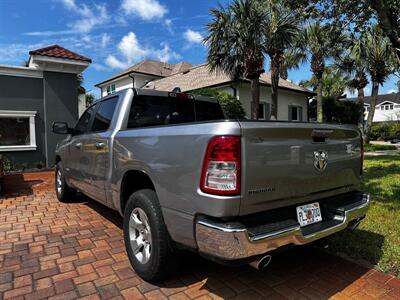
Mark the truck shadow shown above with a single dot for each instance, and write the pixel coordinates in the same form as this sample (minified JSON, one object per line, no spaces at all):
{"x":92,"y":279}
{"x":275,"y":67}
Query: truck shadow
{"x":304,"y":271}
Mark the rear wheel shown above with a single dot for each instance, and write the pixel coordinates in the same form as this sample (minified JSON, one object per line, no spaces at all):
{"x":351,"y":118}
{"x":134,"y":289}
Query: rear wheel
{"x":63,"y":191}
{"x":146,"y":237}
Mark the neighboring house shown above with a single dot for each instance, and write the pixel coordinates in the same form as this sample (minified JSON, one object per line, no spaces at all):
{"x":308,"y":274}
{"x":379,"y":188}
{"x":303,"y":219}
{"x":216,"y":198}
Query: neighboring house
{"x":387,"y":108}
{"x":292,"y":102}
{"x":139,"y":75}
{"x":32,"y":98}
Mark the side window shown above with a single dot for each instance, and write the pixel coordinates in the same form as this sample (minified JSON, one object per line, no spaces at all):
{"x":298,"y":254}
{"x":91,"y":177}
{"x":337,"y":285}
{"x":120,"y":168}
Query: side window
{"x":83,"y":123}
{"x":155,"y":111}
{"x":104,"y":114}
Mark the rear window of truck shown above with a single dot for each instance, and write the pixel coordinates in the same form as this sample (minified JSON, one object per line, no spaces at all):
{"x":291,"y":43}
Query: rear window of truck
{"x":157,"y":111}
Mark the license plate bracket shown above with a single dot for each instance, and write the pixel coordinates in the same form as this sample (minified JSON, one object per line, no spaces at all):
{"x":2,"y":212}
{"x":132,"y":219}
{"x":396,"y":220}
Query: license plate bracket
{"x":309,"y":214}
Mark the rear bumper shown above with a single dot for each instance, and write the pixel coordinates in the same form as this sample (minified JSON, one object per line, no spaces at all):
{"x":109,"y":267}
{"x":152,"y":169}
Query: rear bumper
{"x":233,"y":241}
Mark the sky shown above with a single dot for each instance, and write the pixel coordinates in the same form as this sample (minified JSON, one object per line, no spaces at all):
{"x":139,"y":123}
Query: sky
{"x":115,"y":34}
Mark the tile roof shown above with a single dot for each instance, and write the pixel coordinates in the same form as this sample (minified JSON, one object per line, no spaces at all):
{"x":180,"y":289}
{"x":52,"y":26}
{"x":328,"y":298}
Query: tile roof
{"x":394,"y":97}
{"x":152,"y":67}
{"x":200,"y":77}
{"x":59,"y":52}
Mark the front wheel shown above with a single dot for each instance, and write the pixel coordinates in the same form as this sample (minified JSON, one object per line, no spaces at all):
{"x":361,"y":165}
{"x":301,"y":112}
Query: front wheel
{"x":63,"y":191}
{"x":146,"y":237}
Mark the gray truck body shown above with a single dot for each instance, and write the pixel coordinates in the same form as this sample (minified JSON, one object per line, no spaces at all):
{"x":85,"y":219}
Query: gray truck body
{"x":278,"y":172}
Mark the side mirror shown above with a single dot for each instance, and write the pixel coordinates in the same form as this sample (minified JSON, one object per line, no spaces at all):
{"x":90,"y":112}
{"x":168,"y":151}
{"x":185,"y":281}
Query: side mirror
{"x":61,"y":128}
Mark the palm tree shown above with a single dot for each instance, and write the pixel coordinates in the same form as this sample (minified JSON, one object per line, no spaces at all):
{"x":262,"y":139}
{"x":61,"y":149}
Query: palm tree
{"x":354,"y":65}
{"x":321,"y":42}
{"x":235,"y":45}
{"x":80,"y":79}
{"x":380,"y":60}
{"x":281,"y":29}
{"x":334,"y":83}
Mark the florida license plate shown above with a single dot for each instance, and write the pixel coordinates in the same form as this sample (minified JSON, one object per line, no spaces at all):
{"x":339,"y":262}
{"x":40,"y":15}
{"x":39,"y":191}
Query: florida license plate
{"x":309,"y":214}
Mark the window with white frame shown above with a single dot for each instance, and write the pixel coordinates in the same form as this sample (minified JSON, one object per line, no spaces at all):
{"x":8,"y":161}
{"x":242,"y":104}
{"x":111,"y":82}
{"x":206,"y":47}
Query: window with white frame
{"x":387,"y":106}
{"x":110,"y":89}
{"x":17,"y":130}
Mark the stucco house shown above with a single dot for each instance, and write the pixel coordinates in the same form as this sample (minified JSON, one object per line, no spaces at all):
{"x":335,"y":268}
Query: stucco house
{"x":292,"y":103}
{"x":387,"y":108}
{"x":32,"y":98}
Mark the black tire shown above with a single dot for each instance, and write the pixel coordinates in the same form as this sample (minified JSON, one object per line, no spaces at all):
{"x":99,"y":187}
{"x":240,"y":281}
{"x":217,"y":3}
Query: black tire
{"x":162,"y":261}
{"x":65,"y":193}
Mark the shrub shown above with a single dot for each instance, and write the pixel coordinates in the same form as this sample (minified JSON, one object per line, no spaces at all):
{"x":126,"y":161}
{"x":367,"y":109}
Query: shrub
{"x":232,"y":107}
{"x":344,"y":112}
{"x":384,"y":131}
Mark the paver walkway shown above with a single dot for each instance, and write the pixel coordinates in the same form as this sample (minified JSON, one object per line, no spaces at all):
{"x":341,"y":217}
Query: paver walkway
{"x":65,"y":251}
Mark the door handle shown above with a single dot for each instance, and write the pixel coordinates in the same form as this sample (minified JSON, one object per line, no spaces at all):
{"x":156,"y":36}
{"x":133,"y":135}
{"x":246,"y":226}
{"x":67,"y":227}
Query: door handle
{"x":100,"y":145}
{"x":78,"y":145}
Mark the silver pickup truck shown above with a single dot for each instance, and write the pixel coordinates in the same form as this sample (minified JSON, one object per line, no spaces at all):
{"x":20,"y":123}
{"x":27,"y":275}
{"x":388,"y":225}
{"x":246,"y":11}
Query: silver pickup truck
{"x":184,"y":177}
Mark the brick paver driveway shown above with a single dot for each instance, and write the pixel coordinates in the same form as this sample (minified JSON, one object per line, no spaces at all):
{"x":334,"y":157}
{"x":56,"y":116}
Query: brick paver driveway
{"x":64,"y":251}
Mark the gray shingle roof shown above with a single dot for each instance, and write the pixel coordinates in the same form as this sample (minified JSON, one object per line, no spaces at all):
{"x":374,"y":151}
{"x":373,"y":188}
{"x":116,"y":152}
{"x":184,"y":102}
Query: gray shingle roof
{"x":394,"y":97}
{"x":200,"y":77}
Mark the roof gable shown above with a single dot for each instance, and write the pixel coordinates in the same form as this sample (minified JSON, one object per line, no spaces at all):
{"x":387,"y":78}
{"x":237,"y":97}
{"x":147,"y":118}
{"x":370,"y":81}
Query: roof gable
{"x":59,"y":52}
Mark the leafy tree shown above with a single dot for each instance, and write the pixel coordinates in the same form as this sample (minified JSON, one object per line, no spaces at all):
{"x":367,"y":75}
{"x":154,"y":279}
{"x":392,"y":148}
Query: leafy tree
{"x":354,"y":65}
{"x":235,"y":45}
{"x":89,"y":99}
{"x":321,"y":42}
{"x":81,"y":89}
{"x":380,"y":62}
{"x":398,"y":86}
{"x":355,"y":15}
{"x":231,"y":106}
{"x":281,"y":29}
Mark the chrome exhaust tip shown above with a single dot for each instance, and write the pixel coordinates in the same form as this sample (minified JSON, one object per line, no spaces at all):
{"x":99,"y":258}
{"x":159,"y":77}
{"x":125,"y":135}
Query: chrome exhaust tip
{"x":261,"y":263}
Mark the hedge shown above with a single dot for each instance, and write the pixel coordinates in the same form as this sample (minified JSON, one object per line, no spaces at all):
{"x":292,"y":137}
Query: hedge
{"x":384,"y":131}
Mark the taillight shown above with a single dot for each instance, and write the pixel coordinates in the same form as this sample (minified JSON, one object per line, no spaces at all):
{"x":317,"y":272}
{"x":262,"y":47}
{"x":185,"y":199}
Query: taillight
{"x":221,"y":166}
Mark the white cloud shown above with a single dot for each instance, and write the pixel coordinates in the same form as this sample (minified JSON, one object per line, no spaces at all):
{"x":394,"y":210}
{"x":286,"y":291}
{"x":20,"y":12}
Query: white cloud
{"x":145,"y":9}
{"x":392,"y":91}
{"x":165,"y":54}
{"x":99,"y":67}
{"x":114,"y":63}
{"x":105,"y":40}
{"x":88,"y":18}
{"x":130,"y":48}
{"x":70,"y":4}
{"x":168,"y":25}
{"x":193,"y":37}
{"x":132,"y":51}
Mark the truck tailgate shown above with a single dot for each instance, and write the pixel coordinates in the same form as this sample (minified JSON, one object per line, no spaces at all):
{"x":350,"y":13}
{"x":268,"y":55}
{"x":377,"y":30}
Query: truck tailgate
{"x":285,"y":163}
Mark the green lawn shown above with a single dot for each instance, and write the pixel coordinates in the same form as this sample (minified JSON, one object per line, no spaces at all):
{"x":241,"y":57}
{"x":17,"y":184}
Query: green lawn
{"x":376,"y":147}
{"x":377,"y":239}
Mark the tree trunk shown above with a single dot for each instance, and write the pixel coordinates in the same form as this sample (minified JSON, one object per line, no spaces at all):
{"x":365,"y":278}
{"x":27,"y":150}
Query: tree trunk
{"x":360,"y":99}
{"x":374,"y":98}
{"x":255,"y":97}
{"x":320,"y":114}
{"x":318,"y":68}
{"x":275,"y":68}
